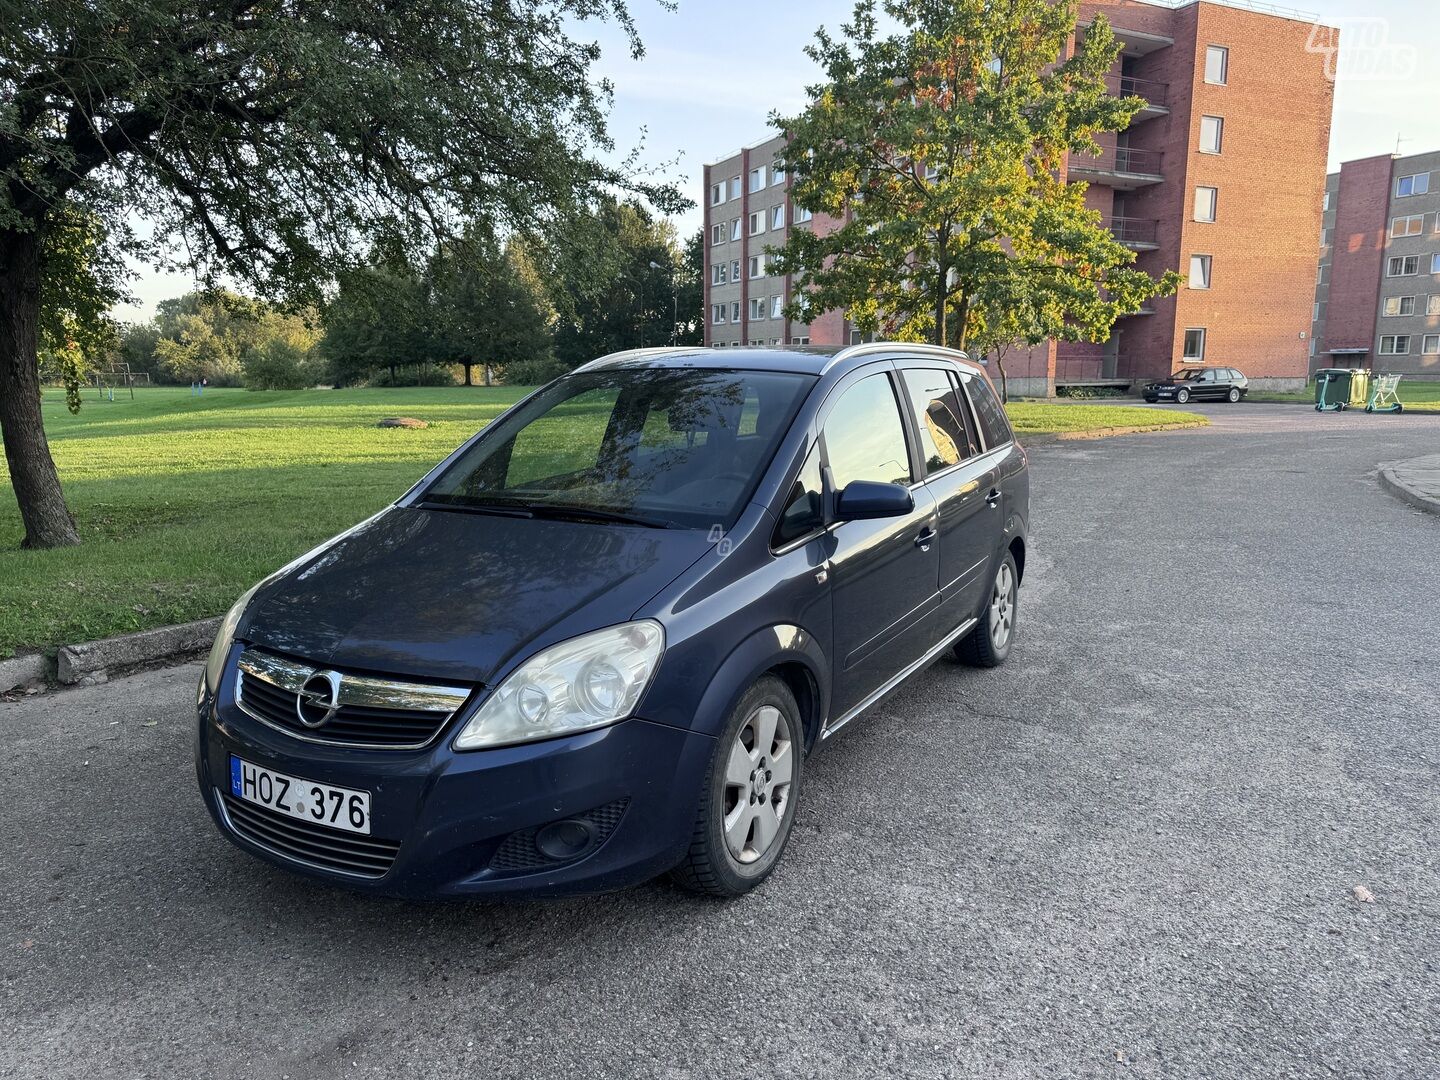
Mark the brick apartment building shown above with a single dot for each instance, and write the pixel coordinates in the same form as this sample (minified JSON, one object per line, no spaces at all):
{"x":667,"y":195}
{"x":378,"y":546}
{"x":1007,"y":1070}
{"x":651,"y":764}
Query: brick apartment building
{"x":1377,"y":294}
{"x":1220,"y":178}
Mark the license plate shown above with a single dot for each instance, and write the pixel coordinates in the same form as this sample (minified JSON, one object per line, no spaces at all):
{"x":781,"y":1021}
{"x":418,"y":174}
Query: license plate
{"x":321,"y":804}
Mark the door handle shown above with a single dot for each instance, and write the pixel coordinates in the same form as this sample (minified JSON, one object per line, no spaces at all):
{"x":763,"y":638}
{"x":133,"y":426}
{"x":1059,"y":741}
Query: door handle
{"x":993,"y":499}
{"x":926,"y":538}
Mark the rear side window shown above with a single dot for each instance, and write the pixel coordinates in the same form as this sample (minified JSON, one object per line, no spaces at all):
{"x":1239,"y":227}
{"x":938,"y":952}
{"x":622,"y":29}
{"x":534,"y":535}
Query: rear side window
{"x":993,"y":423}
{"x":804,"y":511}
{"x":935,"y":401}
{"x":864,"y":439}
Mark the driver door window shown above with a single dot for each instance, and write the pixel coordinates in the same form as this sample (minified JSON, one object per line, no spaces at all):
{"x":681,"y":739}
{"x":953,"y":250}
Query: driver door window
{"x":864,"y":438}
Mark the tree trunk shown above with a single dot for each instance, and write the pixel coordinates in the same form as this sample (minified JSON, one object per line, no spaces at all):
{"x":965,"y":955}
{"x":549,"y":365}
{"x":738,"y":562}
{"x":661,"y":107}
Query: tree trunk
{"x":468,"y":381}
{"x":46,"y":518}
{"x":489,"y":376}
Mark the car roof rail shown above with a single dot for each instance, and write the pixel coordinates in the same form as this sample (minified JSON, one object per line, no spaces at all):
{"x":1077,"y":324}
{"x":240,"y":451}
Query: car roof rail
{"x":915,"y":348}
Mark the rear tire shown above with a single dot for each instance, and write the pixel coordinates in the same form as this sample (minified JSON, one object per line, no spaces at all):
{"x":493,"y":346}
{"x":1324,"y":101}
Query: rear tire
{"x":1399,"y":408}
{"x":1234,"y":395}
{"x":747,"y":805}
{"x":988,"y":645}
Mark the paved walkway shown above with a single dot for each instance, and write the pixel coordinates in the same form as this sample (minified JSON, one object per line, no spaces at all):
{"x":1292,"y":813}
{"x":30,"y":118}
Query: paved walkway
{"x":1417,"y":481}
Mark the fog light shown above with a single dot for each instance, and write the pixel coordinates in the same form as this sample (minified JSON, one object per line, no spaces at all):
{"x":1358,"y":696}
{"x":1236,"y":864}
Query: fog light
{"x":568,"y":839}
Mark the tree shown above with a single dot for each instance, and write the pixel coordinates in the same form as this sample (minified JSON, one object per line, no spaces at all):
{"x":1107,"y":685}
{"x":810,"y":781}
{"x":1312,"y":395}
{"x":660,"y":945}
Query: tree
{"x":608,"y":294}
{"x":269,"y":138}
{"x":943,"y":148}
{"x":489,"y":306}
{"x":690,"y":293}
{"x":379,"y":318}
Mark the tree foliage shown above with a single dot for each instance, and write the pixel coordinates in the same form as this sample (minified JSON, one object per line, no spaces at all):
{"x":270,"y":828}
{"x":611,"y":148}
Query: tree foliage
{"x":275,"y":141}
{"x":943,"y":146}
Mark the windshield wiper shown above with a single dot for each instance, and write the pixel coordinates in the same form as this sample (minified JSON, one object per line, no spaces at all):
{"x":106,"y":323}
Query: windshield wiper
{"x":569,"y":512}
{"x":503,"y":509}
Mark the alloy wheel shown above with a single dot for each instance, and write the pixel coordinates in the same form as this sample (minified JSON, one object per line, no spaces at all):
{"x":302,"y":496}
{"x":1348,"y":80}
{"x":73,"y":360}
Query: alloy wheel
{"x":1002,"y":607}
{"x":758,"y":776}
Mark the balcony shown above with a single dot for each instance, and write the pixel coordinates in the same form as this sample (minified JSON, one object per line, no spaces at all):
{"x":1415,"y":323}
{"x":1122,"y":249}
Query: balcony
{"x":1137,"y":234}
{"x":1156,"y":94}
{"x":1118,"y":167}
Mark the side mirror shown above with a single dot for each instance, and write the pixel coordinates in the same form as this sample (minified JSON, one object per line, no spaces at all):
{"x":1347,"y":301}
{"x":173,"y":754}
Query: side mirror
{"x":868,"y":499}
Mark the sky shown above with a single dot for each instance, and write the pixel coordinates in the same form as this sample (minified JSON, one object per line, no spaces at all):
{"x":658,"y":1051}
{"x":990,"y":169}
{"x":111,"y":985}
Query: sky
{"x":714,"y":69}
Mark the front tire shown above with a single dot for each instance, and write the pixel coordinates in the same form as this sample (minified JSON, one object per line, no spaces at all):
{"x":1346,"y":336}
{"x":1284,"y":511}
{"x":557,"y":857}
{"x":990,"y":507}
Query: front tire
{"x":988,"y":645}
{"x":747,"y":806}
{"x":1182,"y":396}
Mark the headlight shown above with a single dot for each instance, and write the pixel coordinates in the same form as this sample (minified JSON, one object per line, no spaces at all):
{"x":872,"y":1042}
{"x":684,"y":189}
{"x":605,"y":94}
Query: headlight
{"x":586,"y":682}
{"x":215,"y":665}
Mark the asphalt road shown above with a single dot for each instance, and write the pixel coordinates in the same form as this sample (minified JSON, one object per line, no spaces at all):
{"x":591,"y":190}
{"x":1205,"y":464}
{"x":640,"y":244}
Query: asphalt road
{"x":1131,"y":851}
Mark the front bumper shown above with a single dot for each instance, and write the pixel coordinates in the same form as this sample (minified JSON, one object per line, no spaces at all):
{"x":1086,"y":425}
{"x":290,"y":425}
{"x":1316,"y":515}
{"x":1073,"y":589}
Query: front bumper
{"x":451,"y":813}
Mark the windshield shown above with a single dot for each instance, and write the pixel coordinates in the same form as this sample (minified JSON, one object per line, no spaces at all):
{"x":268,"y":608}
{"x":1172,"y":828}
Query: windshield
{"x":651,"y":446}
{"x":1186,"y":374}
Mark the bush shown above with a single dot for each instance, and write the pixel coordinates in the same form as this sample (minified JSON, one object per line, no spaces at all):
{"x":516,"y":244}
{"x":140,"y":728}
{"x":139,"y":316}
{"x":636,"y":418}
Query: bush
{"x":278,"y":365}
{"x":534,"y":372}
{"x":414,"y":375}
{"x":1089,"y":392}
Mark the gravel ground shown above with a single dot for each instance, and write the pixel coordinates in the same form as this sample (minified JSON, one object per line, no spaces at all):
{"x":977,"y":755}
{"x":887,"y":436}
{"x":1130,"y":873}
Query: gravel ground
{"x":1131,"y":851}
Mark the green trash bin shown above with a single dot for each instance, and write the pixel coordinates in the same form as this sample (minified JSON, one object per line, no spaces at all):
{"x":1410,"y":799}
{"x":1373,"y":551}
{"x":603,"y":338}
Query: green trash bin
{"x":1332,"y":389}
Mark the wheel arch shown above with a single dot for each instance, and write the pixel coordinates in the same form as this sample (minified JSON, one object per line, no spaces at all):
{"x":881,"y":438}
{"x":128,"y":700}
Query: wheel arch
{"x":788,"y":652}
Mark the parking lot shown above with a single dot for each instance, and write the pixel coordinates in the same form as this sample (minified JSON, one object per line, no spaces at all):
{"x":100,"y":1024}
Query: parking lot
{"x":1132,"y":850}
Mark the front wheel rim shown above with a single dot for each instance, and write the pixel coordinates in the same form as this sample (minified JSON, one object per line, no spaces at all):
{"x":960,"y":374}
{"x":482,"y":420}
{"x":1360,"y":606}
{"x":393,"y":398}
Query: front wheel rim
{"x":1002,"y":607}
{"x":759,"y":775}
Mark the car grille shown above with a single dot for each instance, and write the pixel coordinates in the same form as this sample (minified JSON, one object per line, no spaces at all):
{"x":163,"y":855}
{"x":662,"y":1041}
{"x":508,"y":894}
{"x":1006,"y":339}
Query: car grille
{"x":344,"y":709}
{"x":313,"y":845}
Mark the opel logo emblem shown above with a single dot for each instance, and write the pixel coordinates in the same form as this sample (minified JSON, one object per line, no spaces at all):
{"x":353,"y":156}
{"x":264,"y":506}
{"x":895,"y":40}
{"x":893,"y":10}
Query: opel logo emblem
{"x":319,"y":698}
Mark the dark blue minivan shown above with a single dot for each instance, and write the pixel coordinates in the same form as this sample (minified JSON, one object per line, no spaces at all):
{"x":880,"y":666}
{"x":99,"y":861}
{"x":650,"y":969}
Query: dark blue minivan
{"x":598,"y":642}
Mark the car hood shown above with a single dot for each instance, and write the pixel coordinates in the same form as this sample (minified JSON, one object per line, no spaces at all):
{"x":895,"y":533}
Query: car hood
{"x":449,"y":595}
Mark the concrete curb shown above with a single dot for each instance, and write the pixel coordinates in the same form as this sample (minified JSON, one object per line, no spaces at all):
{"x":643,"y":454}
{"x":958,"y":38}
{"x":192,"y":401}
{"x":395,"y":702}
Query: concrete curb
{"x":1403,"y":491}
{"x":91,"y":660}
{"x":21,"y":671}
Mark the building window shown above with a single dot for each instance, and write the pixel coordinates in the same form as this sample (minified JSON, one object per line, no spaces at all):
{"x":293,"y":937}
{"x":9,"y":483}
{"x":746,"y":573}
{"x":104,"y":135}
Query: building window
{"x":1315,"y":312}
{"x":717,"y":274}
{"x":777,"y":307}
{"x":1418,"y":184}
{"x":1430,"y":344}
{"x":1325,"y":202}
{"x":777,"y":176}
{"x":1194,"y":343}
{"x":735,"y":311}
{"x":1399,"y":305}
{"x":757,"y":266}
{"x":1199,"y":271}
{"x":717,"y":233}
{"x":1205,"y":199}
{"x":735,"y":228}
{"x":1435,"y":263}
{"x":757,"y":222}
{"x":1324,"y":237}
{"x":1432,"y":305}
{"x":734,"y":187}
{"x":777,"y":217}
{"x":799,"y":341}
{"x":717,"y":314}
{"x":717,"y":194}
{"x":757,"y":178}
{"x":1212,"y":134}
{"x":757,"y":307}
{"x":1402,"y":266}
{"x":735,"y":270}
{"x":1395,"y":345}
{"x":1217,"y":64}
{"x":1410,"y":225}
{"x":1312,"y":346}
{"x":801,"y":214}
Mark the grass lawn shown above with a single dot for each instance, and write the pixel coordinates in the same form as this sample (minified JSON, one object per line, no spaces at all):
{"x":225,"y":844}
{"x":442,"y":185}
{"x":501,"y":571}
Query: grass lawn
{"x":183,"y":501}
{"x":1416,"y":395}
